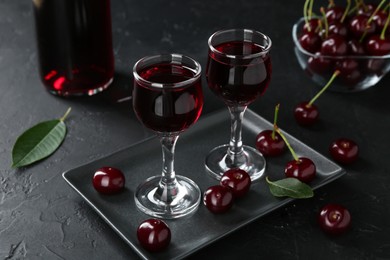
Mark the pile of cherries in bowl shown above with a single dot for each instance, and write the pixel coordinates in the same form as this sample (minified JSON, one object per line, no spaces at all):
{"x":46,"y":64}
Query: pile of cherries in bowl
{"x":353,"y":38}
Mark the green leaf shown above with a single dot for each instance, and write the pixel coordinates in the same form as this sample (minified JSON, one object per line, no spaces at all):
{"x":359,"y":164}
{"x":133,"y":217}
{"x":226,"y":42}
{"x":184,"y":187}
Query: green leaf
{"x":290,"y":187}
{"x":38,"y":142}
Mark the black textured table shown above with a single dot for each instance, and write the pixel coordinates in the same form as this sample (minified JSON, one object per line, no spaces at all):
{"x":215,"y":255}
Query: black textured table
{"x":41,"y":217}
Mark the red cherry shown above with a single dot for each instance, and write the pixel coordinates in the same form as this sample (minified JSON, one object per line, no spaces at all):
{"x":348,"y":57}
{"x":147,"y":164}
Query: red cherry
{"x":359,"y":25}
{"x":366,"y":10}
{"x":306,"y":115}
{"x":380,"y":20}
{"x":218,"y":199}
{"x":334,"y":45}
{"x":318,"y":64}
{"x":269,"y":146}
{"x":154,"y":234}
{"x":347,"y":65}
{"x":237,"y":180}
{"x":304,"y":169}
{"x":355,"y":48}
{"x":344,"y":150}
{"x":310,"y":41}
{"x":334,"y":14}
{"x":108,"y":180}
{"x":312,"y":24}
{"x":378,"y":46}
{"x":338,"y":28}
{"x":334,"y":219}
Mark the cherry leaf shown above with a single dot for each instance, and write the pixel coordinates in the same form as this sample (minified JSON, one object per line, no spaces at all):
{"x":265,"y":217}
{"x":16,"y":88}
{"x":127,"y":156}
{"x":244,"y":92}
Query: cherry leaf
{"x":290,"y":187}
{"x":38,"y":142}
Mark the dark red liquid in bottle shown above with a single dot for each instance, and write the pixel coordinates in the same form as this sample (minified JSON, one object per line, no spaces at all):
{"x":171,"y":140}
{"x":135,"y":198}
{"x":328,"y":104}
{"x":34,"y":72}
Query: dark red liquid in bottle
{"x":74,"y":43}
{"x":168,"y":109}
{"x":238,"y":81}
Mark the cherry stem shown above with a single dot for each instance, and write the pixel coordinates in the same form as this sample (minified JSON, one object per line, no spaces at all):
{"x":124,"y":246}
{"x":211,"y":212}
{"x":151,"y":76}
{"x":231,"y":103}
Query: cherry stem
{"x":346,"y":11}
{"x":275,"y":120}
{"x":319,"y":26}
{"x":335,"y":74}
{"x":305,"y":16}
{"x":331,"y":3}
{"x":382,"y":36}
{"x":310,"y":11}
{"x":325,"y":21}
{"x":62,"y":119}
{"x":357,"y":4}
{"x":376,"y":11}
{"x":287,"y":143}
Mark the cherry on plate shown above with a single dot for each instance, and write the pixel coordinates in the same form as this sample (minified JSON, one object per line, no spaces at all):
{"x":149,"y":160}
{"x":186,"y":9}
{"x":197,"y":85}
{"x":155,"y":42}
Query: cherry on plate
{"x":303,"y":169}
{"x":154,"y":234}
{"x":344,"y":150}
{"x":334,"y":219}
{"x":108,"y":180}
{"x":237,"y":180}
{"x":268,"y":145}
{"x":306,"y":114}
{"x":218,"y":199}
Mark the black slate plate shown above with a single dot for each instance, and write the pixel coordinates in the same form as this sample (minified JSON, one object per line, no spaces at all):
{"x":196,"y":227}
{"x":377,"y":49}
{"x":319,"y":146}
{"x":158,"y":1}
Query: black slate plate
{"x":143,"y":160}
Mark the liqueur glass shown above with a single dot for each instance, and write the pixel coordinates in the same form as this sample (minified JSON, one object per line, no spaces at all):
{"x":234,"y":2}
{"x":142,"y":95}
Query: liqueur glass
{"x":238,"y":71}
{"x":168,"y":99}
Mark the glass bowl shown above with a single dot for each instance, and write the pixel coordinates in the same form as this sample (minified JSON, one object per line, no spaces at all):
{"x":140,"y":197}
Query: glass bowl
{"x":370,"y":69}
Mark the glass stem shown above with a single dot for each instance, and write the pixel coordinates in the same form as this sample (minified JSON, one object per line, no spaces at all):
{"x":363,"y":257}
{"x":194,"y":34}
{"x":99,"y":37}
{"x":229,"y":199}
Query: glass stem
{"x":235,"y":154}
{"x":168,"y":187}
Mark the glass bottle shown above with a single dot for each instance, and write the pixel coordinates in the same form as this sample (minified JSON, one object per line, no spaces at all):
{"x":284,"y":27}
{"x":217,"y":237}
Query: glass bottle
{"x":74,"y":42}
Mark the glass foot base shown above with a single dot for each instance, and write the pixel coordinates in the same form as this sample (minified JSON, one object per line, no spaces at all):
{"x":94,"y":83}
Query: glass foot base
{"x":217,"y":162}
{"x":185,"y":202}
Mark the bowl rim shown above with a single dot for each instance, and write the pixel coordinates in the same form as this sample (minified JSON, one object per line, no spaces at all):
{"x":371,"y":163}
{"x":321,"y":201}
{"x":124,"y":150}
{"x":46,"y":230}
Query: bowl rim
{"x":295,"y":29}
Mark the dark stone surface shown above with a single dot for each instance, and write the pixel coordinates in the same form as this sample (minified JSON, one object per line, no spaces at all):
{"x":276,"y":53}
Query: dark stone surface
{"x":41,"y":217}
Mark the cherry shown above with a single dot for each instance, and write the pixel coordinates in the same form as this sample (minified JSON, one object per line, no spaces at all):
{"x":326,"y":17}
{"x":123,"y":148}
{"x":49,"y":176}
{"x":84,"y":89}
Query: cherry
{"x":366,"y":9}
{"x":306,"y":113}
{"x":311,"y":25}
{"x":355,"y":48}
{"x":349,"y":71}
{"x":347,"y":66}
{"x":380,"y":19}
{"x":303,"y":169}
{"x":344,"y":150}
{"x":269,"y":142}
{"x":218,"y":199}
{"x":334,"y":219}
{"x":108,"y":180}
{"x":378,"y":46}
{"x":237,"y":180}
{"x":359,"y":25}
{"x":334,"y":45}
{"x":375,"y":66}
{"x":154,"y":234}
{"x":310,"y":41}
{"x":319,"y":64}
{"x":338,"y":28}
{"x":269,"y":145}
{"x":334,"y":14}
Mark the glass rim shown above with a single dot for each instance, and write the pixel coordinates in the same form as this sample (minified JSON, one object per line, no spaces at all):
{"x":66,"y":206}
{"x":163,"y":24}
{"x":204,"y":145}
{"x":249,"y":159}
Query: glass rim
{"x":247,"y":56}
{"x":171,"y":58}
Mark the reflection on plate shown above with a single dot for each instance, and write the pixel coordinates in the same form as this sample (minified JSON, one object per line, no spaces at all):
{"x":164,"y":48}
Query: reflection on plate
{"x":189,"y":234}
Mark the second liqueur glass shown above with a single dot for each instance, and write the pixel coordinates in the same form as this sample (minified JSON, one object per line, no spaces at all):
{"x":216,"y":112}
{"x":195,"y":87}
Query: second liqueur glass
{"x":167,"y":98}
{"x":238,"y":71}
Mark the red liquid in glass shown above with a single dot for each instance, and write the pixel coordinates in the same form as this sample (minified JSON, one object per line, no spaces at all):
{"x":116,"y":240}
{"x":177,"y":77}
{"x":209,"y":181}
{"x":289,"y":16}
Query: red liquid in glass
{"x":238,"y":81}
{"x":74,"y":43}
{"x":168,"y":109}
